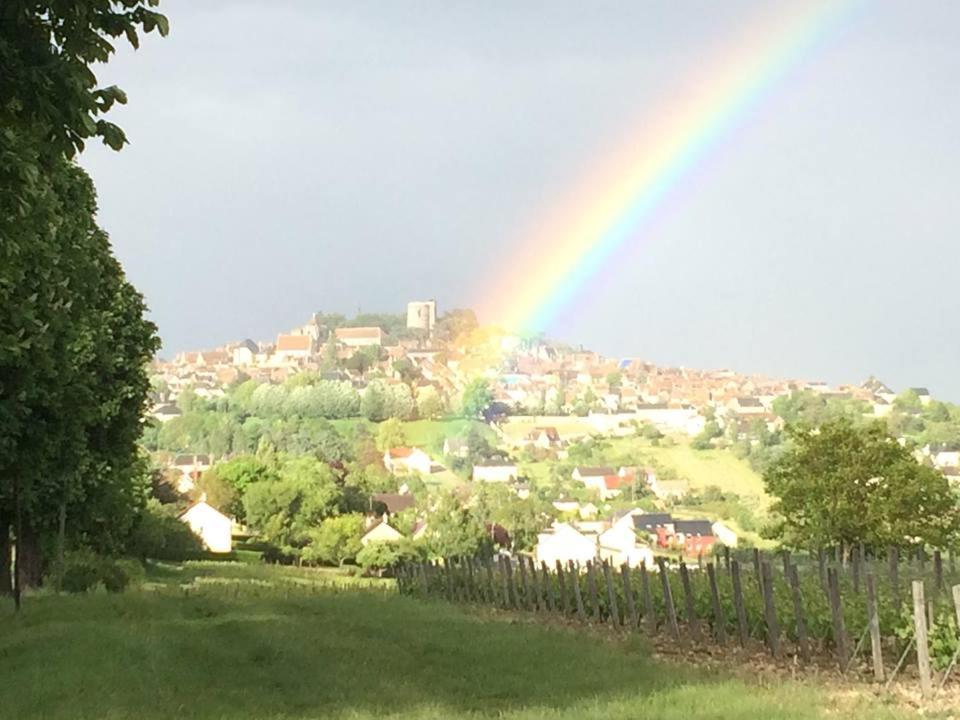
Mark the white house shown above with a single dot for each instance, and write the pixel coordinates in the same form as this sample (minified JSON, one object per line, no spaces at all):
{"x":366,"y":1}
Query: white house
{"x":945,"y":455}
{"x":210,"y":525}
{"x":245,"y":352}
{"x":381,"y":532}
{"x":582,"y":473}
{"x":495,"y":473}
{"x":564,"y":542}
{"x":544,"y":437}
{"x":724,"y":534}
{"x":620,"y":545}
{"x":404,"y":459}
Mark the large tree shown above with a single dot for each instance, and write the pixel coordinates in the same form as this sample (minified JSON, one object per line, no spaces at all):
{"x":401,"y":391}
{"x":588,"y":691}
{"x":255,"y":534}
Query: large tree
{"x":842,"y":484}
{"x":73,"y":341}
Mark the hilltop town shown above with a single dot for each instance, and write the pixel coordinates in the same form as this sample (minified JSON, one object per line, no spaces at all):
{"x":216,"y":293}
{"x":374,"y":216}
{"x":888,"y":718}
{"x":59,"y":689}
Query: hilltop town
{"x":609,"y":457}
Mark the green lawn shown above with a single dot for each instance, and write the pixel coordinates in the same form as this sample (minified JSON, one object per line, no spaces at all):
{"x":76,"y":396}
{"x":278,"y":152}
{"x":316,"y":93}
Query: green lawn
{"x":251,"y":643}
{"x":426,"y":434}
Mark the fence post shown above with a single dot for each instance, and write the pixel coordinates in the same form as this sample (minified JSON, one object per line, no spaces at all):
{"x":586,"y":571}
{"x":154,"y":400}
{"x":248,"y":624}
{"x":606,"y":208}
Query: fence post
{"x":756,"y":569}
{"x":473,"y":589}
{"x":491,"y":592}
{"x":726,"y":557}
{"x":577,"y":594}
{"x":448,"y":574}
{"x":612,"y":608}
{"x":876,"y":650}
{"x":693,"y":623}
{"x":548,"y":584}
{"x":562,"y":587}
{"x":855,"y":567}
{"x":785,"y":556}
{"x":525,"y":581}
{"x":822,"y":569}
{"x":630,"y":611}
{"x":592,"y":591}
{"x":743,"y":629}
{"x":938,"y":570}
{"x":836,"y":610}
{"x":649,"y":614}
{"x":893,"y":564}
{"x":719,"y":623}
{"x":424,"y":583}
{"x":668,"y":600}
{"x":770,"y":610}
{"x":535,"y":585}
{"x":803,"y":642}
{"x":920,"y":628}
{"x":515,"y":602}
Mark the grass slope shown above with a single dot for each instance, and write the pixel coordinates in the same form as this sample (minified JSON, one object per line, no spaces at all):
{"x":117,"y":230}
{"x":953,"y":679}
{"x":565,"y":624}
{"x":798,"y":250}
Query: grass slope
{"x":258,"y":643}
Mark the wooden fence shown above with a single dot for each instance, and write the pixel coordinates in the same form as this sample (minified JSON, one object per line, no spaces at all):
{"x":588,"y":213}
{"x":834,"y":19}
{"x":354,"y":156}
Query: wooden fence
{"x":807,"y":607}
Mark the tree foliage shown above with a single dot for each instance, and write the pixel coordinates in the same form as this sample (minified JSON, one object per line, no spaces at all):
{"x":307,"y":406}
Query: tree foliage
{"x":846,"y":484}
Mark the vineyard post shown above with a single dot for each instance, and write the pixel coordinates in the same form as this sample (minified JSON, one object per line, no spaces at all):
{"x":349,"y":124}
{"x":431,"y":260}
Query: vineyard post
{"x":700,"y":561}
{"x":742,"y":627}
{"x":836,"y":610}
{"x":920,"y":629}
{"x":473,"y":589}
{"x":953,"y":563}
{"x":822,"y":568}
{"x":938,"y":570}
{"x":535,"y":585}
{"x":855,"y":567}
{"x":726,"y":557}
{"x":649,"y":615}
{"x":786,"y":564}
{"x":802,"y":640}
{"x":693,"y":623}
{"x":562,"y":587}
{"x":577,"y":594}
{"x":719,"y":623}
{"x":515,"y":602}
{"x":756,"y":569}
{"x":953,"y":660}
{"x":893,"y":563}
{"x":548,"y":584}
{"x":770,"y":610}
{"x":592,"y":591}
{"x":874,"y":619}
{"x":424,"y":583}
{"x":612,"y":608}
{"x":668,"y":600}
{"x":491,"y":593}
{"x":922,"y":557}
{"x":630,"y":612}
{"x":525,"y":581}
{"x":461,"y":569}
{"x":448,"y":579}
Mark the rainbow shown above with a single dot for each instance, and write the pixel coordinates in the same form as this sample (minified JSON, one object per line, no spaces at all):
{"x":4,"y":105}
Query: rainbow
{"x":621,"y":199}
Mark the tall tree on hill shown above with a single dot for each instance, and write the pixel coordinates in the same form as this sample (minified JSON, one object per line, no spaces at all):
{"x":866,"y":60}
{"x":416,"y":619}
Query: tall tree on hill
{"x":72,"y":336}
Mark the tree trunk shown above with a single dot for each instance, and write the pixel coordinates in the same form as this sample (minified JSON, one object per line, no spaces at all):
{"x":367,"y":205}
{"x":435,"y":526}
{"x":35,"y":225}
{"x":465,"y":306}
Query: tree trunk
{"x":30,"y":559}
{"x":6,"y":566}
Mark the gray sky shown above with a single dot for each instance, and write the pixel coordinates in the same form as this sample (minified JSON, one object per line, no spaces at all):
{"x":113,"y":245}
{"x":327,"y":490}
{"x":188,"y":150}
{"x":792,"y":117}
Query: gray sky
{"x":289,"y":157}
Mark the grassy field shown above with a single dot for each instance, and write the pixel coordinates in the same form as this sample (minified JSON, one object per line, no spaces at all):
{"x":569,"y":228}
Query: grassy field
{"x":213,"y":641}
{"x":426,"y":434}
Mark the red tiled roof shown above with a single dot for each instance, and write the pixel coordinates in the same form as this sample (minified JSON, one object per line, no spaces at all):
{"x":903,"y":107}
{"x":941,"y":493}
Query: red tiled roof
{"x":400,"y":452}
{"x":357,"y":333}
{"x":293,"y":342}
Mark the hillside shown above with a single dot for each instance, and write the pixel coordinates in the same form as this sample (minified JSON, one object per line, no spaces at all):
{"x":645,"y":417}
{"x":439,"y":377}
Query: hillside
{"x":259,"y":642}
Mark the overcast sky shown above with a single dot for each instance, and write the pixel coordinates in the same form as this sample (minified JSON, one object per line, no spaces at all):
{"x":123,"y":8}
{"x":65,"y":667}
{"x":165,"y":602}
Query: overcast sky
{"x":288,"y":157}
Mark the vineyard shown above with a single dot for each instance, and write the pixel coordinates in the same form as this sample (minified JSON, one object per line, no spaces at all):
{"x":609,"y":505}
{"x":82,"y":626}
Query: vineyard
{"x":872,"y":616}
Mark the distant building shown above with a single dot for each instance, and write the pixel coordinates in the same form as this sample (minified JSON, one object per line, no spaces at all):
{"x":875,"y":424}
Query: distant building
{"x":495,"y":473}
{"x":355,"y":337}
{"x":381,"y":532}
{"x":564,"y":542}
{"x":293,"y":347}
{"x":404,"y":459}
{"x":213,"y":528}
{"x":422,"y":315}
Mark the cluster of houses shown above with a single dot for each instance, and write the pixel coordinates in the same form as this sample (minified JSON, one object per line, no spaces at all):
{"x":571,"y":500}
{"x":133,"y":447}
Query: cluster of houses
{"x":630,"y":537}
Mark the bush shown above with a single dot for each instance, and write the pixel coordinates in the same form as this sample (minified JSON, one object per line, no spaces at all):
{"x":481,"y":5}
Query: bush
{"x":159,"y":535}
{"x":81,"y":572}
